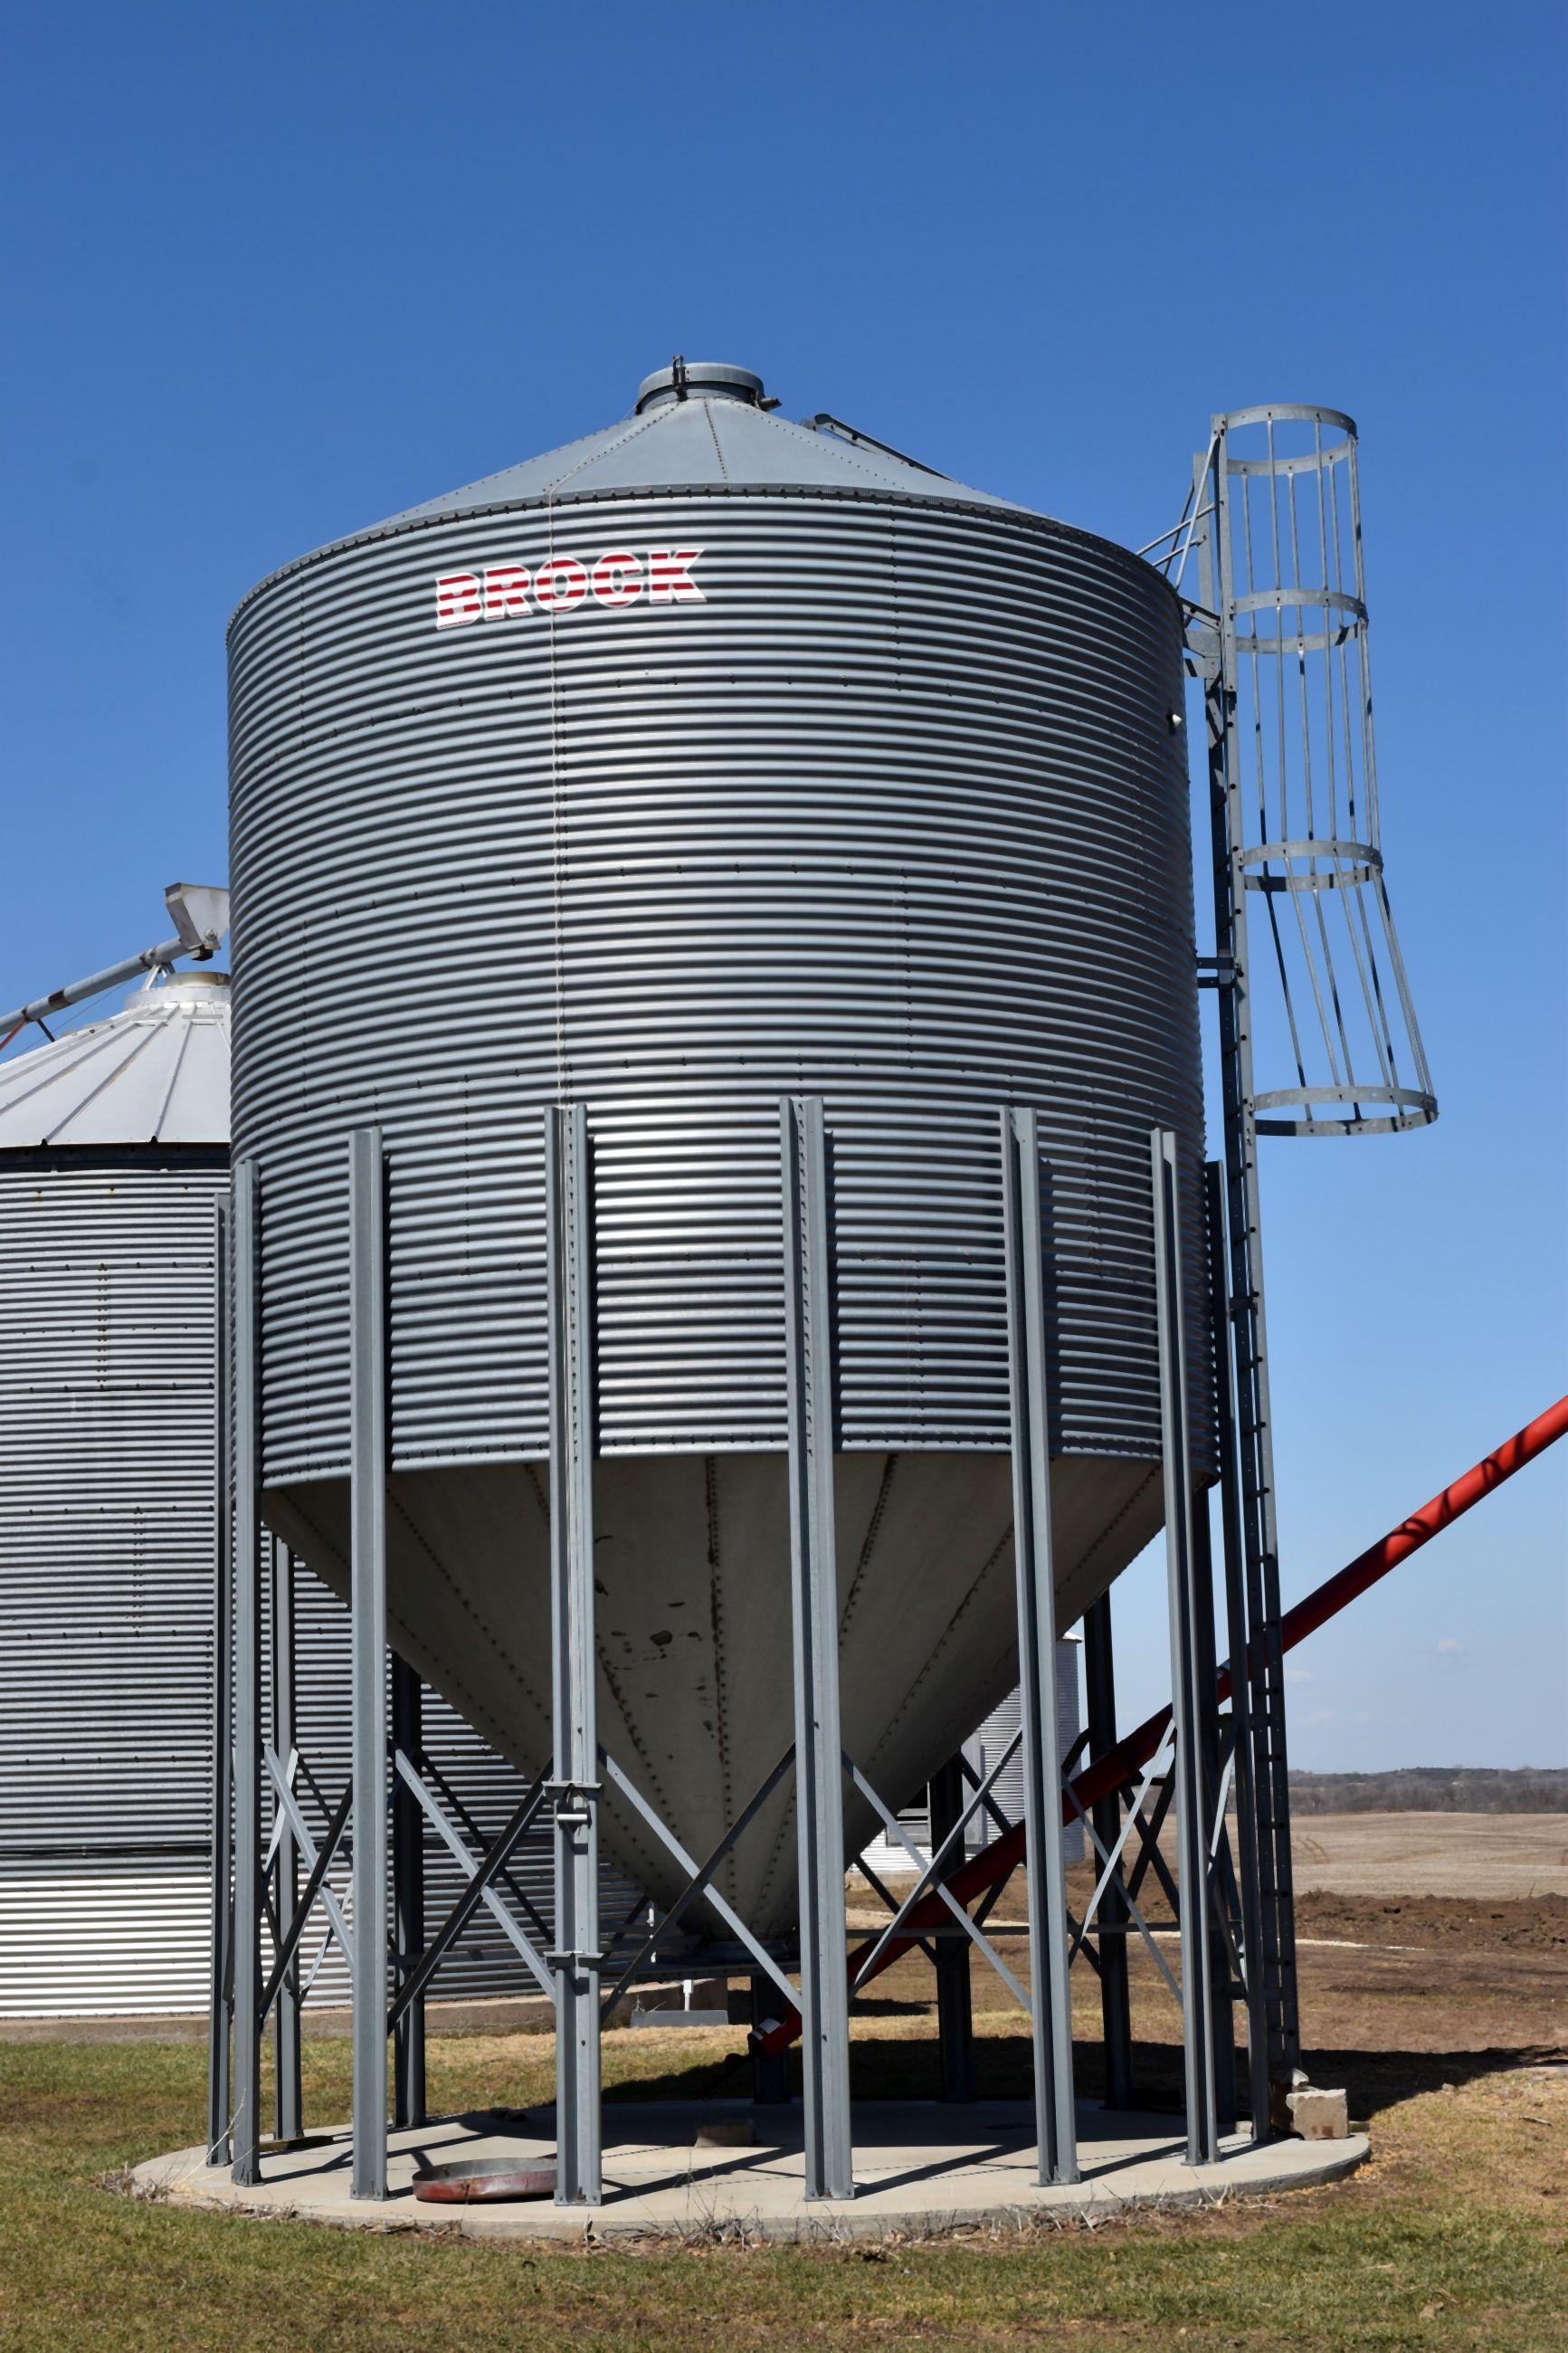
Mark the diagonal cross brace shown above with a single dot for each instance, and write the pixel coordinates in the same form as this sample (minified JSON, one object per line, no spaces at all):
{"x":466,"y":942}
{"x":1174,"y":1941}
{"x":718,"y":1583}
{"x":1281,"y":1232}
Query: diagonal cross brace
{"x":279,"y":1820}
{"x":928,"y":1871}
{"x":726,"y":1911}
{"x":975,"y":1935}
{"x":993,"y":1896}
{"x":1110,"y":1861}
{"x":1131,"y":1818}
{"x":302,"y":1830}
{"x":1148,"y":1856}
{"x":312,"y":1888}
{"x":698,"y":1880}
{"x":973,"y":1777}
{"x":449,"y":1797}
{"x":494,"y":1862}
{"x":483,"y":1872}
{"x":885,"y":1894}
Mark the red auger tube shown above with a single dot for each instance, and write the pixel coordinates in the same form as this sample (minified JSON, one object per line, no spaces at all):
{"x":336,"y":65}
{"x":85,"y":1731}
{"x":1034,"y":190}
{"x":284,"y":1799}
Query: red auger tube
{"x":1117,"y":1766}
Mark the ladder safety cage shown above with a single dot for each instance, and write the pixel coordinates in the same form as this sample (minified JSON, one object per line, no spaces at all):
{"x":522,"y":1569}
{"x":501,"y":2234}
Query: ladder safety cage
{"x":1275,"y":521}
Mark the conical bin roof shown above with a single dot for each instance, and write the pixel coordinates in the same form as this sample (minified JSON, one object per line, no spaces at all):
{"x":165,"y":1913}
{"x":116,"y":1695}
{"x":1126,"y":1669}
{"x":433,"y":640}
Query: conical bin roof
{"x":154,"y":1072}
{"x":721,"y":433}
{"x":707,"y":440}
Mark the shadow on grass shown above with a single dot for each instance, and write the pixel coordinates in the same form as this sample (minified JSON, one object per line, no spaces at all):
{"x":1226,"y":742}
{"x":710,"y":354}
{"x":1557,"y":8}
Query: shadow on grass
{"x":1376,"y":2080}
{"x":898,"y":2069}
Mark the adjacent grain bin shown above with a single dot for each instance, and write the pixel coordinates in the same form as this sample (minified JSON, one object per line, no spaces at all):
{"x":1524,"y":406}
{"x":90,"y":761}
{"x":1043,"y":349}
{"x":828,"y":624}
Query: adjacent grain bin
{"x":710,"y":759}
{"x":113,"y":1154}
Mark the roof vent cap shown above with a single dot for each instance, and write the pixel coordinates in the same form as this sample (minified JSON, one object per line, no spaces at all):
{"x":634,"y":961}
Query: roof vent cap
{"x":700,"y":380}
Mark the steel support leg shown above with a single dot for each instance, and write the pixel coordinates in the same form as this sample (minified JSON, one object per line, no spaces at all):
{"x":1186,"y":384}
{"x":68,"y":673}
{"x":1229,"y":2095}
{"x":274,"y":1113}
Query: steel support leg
{"x":368,"y":1458}
{"x":1029,"y":1376}
{"x":247,"y":1682}
{"x":955,"y":1985}
{"x":286,"y":2049}
{"x":576,"y":1959}
{"x":220,"y":2012}
{"x":1237,"y":1638}
{"x":407,"y":1897}
{"x":1191,"y":1810}
{"x":818,"y":1747}
{"x":1115,"y":2006}
{"x":1221,"y":2026}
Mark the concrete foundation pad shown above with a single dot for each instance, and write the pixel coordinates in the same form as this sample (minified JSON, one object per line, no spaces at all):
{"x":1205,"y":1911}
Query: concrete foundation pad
{"x":918,"y":2167}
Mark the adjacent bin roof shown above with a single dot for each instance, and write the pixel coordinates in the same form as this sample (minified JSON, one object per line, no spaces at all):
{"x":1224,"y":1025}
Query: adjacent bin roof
{"x":155,"y":1072}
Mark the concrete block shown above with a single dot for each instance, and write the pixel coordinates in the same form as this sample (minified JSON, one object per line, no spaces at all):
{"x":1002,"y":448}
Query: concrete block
{"x":1318,"y":2115}
{"x":727,"y":2132}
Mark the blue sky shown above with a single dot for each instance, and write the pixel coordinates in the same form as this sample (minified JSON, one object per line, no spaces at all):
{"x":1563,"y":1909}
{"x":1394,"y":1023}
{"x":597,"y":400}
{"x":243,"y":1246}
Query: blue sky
{"x":271,"y":272}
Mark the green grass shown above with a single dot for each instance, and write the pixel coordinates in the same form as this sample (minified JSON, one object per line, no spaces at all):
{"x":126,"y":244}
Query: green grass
{"x":1455,"y":2239}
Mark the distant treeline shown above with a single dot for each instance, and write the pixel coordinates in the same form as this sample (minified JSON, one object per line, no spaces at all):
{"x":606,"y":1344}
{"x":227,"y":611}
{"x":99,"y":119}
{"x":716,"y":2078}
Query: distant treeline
{"x":1434,"y":1790}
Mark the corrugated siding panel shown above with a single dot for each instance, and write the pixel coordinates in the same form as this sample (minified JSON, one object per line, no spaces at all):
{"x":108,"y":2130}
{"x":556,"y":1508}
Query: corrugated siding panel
{"x":83,"y":1938}
{"x":106,"y":1508}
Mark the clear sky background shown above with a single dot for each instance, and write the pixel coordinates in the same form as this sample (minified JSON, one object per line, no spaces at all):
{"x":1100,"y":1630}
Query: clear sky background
{"x":271,"y":272}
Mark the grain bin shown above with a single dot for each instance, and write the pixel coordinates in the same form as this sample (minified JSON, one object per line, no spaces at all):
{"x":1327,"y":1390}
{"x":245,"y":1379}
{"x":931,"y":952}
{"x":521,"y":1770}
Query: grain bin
{"x":709,"y":759}
{"x":113,"y":1156}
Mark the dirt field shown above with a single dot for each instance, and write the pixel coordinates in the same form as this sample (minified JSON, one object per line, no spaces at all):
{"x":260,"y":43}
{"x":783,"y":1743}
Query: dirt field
{"x":1478,"y":1855}
{"x":1414,"y":1935}
{"x":1419,"y":1975}
{"x":1516,"y":1856}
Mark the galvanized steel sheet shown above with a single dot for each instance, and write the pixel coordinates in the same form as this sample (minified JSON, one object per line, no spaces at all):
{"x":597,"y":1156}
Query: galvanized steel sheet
{"x":106,"y":1503}
{"x":897,"y":815}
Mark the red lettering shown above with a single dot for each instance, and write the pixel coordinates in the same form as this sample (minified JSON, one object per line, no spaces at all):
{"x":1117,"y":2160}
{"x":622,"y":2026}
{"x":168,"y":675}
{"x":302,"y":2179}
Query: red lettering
{"x":561,"y":584}
{"x":506,"y":591}
{"x":669,"y":580}
{"x":456,"y":600}
{"x":617,"y":578}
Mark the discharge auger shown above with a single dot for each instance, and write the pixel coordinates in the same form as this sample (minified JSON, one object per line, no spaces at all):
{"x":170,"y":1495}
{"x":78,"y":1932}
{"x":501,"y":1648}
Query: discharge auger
{"x":1112,"y":1770}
